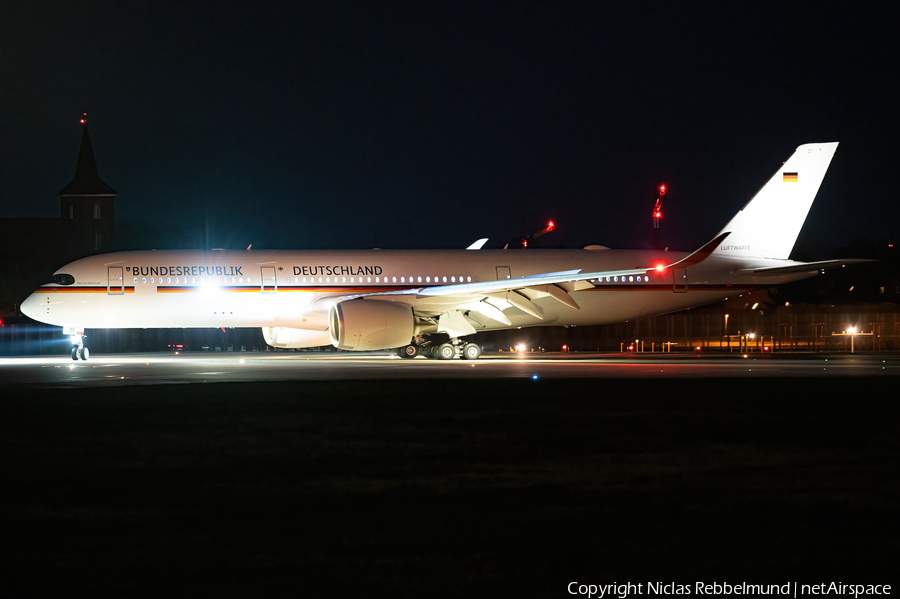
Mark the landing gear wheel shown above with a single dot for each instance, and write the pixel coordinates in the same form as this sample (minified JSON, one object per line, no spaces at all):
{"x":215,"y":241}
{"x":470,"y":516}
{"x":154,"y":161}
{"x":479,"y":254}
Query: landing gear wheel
{"x":408,"y":351}
{"x":471,"y":351}
{"x":434,"y":353}
{"x":446,"y":351}
{"x":75,"y":353}
{"x":84,"y":353}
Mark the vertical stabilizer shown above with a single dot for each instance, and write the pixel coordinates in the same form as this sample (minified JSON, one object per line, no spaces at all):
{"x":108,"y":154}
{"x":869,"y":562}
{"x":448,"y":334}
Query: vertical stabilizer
{"x":769,"y":224}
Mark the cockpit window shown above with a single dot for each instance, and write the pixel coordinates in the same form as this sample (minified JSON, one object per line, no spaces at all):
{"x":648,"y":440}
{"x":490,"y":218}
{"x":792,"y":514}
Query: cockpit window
{"x":64,"y":279}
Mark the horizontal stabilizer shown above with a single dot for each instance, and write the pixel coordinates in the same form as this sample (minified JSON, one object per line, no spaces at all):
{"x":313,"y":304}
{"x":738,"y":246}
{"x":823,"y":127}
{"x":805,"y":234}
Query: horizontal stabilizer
{"x":795,"y":267}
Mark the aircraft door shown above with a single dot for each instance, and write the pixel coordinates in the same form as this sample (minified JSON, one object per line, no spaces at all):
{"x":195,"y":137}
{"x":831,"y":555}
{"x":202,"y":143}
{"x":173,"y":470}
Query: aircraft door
{"x":116,"y":282}
{"x":679,"y":280}
{"x":269,"y":283}
{"x":503,"y":273}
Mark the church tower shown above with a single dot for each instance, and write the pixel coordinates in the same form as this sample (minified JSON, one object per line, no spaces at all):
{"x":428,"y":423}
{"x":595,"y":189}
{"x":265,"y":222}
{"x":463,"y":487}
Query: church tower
{"x":88,"y":204}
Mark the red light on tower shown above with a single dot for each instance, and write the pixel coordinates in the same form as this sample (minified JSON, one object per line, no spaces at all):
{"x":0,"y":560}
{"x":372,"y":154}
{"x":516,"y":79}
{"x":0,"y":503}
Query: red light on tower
{"x":657,"y":208}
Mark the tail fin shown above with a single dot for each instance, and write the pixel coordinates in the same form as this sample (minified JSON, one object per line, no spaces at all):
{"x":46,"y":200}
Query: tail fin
{"x":769,"y":224}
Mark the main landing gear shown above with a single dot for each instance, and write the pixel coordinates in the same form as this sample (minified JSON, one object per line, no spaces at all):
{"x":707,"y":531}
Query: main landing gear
{"x":453,"y":348}
{"x":79,"y":349}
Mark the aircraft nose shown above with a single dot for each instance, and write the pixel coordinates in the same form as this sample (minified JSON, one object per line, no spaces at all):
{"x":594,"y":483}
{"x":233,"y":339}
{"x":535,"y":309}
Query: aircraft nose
{"x":30,"y":307}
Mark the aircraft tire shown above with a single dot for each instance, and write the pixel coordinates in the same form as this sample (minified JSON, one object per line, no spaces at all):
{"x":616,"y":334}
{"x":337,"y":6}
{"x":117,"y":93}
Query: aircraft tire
{"x":74,"y":353}
{"x":84,"y":353}
{"x":446,"y":351}
{"x":408,"y":351}
{"x":471,"y":351}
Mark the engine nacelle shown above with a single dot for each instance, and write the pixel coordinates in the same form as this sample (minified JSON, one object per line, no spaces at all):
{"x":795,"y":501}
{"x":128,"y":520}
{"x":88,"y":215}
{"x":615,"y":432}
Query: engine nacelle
{"x":371,"y":324}
{"x":295,"y":338}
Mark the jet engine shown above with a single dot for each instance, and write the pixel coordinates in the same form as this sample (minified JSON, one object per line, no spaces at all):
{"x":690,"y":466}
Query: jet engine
{"x":371,"y":324}
{"x":295,"y":338}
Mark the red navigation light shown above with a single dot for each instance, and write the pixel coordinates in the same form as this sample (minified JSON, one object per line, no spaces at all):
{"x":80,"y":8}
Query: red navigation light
{"x":551,"y":225}
{"x":662,"y":190}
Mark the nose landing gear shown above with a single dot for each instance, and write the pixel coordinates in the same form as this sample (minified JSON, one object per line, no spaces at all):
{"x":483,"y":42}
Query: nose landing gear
{"x":79,"y":349}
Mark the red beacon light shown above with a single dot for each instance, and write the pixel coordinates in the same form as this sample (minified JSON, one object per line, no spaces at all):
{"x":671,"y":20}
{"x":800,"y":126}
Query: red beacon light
{"x":551,"y":225}
{"x":662,"y":190}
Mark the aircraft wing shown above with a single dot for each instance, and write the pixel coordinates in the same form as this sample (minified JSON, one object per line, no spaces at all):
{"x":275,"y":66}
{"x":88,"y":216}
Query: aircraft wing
{"x":490,"y":298}
{"x":550,"y":278}
{"x":482,"y":287}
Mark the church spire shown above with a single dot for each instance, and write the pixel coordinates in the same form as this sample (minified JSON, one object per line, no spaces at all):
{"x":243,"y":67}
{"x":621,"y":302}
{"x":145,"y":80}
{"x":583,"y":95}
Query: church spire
{"x":87,"y":180}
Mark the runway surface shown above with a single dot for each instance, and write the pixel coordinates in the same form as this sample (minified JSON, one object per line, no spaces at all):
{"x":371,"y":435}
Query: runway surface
{"x":162,"y":368}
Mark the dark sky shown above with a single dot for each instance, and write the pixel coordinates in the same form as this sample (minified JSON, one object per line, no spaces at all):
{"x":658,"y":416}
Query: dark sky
{"x":419,"y":124}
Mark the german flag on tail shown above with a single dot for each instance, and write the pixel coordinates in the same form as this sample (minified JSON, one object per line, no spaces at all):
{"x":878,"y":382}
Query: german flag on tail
{"x":789,"y":177}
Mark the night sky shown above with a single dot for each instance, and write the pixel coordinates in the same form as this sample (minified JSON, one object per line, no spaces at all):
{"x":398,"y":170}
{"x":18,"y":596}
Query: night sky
{"x":404,"y":125}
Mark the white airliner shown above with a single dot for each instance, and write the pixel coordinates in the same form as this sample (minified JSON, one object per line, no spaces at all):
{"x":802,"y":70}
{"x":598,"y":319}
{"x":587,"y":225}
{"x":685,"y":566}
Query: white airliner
{"x":427,"y":302}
